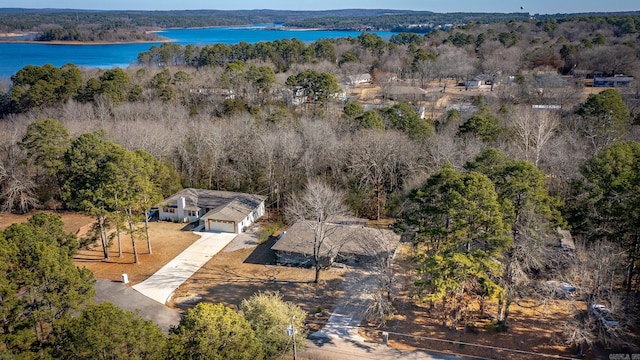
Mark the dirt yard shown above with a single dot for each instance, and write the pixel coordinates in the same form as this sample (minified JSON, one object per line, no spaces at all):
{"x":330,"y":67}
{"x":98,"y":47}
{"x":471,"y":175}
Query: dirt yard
{"x":533,"y":326}
{"x":73,"y":222}
{"x":167,"y":241}
{"x":230,"y":277}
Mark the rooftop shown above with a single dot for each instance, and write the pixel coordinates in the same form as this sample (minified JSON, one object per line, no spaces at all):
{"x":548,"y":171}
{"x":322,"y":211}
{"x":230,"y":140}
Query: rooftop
{"x":344,"y":237}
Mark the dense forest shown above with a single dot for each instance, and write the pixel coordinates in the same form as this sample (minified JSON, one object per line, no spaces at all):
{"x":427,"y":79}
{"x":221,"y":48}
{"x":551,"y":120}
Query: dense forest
{"x":91,"y":26}
{"x":83,"y":25}
{"x":481,"y":140}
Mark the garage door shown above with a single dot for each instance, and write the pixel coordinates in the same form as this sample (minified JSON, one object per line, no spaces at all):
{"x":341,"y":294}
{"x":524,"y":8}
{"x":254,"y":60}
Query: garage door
{"x":222,"y":226}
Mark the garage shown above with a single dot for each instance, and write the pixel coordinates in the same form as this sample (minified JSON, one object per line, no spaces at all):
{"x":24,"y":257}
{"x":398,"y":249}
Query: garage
{"x":221,"y":225}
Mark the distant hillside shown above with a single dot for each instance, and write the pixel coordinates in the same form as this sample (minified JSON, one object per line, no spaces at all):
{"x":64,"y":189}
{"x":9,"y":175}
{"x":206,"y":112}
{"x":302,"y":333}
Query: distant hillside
{"x":33,"y":20}
{"x":91,"y":25}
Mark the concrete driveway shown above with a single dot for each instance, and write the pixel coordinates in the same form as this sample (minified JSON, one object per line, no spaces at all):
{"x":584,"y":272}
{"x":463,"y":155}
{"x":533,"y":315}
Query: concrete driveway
{"x":339,"y":338}
{"x":161,"y":285}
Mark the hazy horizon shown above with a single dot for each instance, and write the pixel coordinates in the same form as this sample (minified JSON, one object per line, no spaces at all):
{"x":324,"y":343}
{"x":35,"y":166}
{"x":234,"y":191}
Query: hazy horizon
{"x":438,"y":6}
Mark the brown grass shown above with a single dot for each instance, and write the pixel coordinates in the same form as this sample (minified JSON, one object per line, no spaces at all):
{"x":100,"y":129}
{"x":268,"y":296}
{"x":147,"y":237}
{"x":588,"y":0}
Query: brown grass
{"x":167,"y":241}
{"x":230,"y":277}
{"x":73,"y":222}
{"x":533,"y":326}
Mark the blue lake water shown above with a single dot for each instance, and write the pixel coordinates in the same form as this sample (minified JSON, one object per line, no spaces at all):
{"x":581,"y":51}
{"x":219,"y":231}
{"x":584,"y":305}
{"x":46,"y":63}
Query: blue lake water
{"x":14,"y":56}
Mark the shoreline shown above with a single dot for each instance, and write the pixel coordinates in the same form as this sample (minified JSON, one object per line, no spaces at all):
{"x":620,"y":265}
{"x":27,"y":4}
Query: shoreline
{"x":10,"y":37}
{"x":81,"y":43}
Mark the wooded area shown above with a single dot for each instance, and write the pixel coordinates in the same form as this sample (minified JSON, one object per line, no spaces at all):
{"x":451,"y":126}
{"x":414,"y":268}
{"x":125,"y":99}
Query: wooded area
{"x":481,"y":141}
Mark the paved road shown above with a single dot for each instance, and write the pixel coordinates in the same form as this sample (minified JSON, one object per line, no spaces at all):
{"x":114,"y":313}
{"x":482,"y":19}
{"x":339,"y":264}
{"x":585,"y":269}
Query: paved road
{"x":161,"y":285}
{"x":347,"y":349}
{"x":128,"y":299}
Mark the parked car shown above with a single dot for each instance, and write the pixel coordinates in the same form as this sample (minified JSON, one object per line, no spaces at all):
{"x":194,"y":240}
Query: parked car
{"x":604,"y":315}
{"x":561,"y":288}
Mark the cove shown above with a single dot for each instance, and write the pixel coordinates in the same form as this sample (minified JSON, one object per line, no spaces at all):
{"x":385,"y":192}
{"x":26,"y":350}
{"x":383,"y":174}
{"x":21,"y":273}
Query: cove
{"x":14,"y":55}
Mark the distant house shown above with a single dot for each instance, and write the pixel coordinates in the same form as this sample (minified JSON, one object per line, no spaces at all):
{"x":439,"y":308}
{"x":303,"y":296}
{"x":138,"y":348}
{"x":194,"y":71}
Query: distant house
{"x":221,"y":211}
{"x":407,"y":92}
{"x":550,"y":80}
{"x":471,"y":83}
{"x":354,"y":80}
{"x":477,"y":81}
{"x":368,"y":107}
{"x":220,"y":93}
{"x":299,"y":96}
{"x":612,"y":81}
{"x":463,"y":108}
{"x":347,"y":242}
{"x":546,"y":107}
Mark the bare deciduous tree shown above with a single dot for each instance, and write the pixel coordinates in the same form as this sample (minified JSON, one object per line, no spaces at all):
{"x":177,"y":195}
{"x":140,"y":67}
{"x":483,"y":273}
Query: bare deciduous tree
{"x":596,"y":271}
{"x":533,"y":128}
{"x":17,"y":190}
{"x":578,"y":331}
{"x":378,"y":161}
{"x":380,"y":247}
{"x":18,"y":193}
{"x":497,"y":60}
{"x":317,"y":206}
{"x":453,"y":62}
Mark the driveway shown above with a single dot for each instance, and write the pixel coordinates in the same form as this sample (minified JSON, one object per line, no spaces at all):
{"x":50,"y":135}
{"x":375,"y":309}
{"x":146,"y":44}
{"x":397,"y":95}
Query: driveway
{"x":343,"y":323}
{"x":161,"y":285}
{"x":339,"y":338}
{"x":128,"y":299}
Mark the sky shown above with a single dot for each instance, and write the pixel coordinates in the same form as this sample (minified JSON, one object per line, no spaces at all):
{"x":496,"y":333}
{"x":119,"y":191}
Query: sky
{"x":440,"y":6}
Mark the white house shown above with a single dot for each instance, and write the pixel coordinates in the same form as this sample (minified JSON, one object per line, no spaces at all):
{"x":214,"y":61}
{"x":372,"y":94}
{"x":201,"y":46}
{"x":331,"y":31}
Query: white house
{"x":222,"y":211}
{"x":354,"y":80}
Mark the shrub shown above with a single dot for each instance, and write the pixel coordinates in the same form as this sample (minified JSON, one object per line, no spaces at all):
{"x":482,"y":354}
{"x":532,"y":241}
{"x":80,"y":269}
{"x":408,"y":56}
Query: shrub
{"x":269,"y":317}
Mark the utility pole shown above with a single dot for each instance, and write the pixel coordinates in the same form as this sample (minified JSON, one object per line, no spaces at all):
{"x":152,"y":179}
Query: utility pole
{"x":277,"y":198}
{"x":291,"y":331}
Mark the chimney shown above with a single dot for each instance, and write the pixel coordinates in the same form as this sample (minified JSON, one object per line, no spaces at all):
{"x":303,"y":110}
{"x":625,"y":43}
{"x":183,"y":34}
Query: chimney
{"x":181,"y":204}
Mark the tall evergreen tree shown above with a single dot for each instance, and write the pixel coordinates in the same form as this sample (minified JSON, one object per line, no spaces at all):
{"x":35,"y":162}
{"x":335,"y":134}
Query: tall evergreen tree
{"x":460,"y":237}
{"x":106,"y":332}
{"x":532,"y":215}
{"x":40,"y":282}
{"x":85,"y":184}
{"x":606,"y":204}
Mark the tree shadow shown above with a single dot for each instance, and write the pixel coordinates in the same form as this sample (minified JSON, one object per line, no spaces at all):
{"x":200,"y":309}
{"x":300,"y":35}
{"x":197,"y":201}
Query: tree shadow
{"x":262,"y":254}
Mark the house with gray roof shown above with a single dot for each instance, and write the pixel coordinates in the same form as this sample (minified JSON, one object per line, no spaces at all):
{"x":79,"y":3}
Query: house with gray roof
{"x":221,"y":211}
{"x":612,"y":81}
{"x":347,"y":241}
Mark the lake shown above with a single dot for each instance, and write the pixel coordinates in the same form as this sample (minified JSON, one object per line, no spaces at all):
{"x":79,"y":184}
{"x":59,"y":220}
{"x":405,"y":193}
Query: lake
{"x":14,"y":56}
